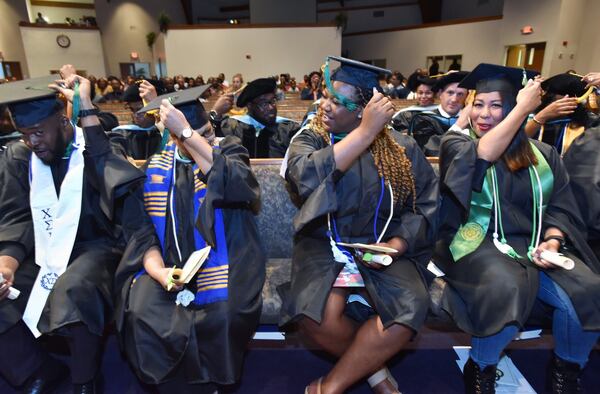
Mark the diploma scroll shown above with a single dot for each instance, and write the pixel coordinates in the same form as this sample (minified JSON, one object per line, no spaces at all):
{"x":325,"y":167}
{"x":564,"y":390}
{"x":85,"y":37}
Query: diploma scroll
{"x":12,"y":292}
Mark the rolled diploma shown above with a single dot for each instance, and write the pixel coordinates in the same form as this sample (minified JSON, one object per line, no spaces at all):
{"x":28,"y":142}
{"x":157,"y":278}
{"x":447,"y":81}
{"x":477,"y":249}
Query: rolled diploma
{"x":12,"y":292}
{"x":558,"y":259}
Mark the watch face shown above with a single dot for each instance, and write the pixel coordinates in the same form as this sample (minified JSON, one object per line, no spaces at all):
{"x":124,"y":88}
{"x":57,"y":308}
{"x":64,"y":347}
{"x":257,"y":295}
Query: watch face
{"x":186,"y":133}
{"x":63,"y":41}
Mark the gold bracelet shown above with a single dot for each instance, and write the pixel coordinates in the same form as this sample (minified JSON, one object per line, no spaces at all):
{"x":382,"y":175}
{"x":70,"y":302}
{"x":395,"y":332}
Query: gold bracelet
{"x":536,"y":121}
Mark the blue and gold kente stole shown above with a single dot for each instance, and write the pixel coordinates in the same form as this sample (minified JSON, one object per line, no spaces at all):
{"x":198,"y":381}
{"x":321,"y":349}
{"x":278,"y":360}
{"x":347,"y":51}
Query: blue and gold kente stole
{"x":212,"y":279}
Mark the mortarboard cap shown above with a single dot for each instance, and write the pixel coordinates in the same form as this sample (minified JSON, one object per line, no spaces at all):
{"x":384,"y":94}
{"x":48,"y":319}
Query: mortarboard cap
{"x":444,"y":80}
{"x":565,"y":84}
{"x":359,"y":74}
{"x":30,"y":101}
{"x":132,"y":93}
{"x":487,"y":78}
{"x":415,"y":80}
{"x":254,"y":89}
{"x":187,"y":101}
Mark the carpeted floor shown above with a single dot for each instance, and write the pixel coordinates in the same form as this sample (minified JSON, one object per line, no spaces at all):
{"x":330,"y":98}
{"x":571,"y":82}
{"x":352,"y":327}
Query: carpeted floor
{"x":277,"y":368}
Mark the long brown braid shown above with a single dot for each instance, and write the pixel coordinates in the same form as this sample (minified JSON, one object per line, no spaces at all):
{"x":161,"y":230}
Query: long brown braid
{"x":390,"y":159}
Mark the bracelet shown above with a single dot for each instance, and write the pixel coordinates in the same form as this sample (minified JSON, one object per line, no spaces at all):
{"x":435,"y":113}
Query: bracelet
{"x":88,"y":112}
{"x":558,"y":238}
{"x":537,"y":121}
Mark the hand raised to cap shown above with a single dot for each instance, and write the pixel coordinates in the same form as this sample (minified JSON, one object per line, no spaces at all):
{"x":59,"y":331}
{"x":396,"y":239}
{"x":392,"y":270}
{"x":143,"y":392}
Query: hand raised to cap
{"x":530,"y":97}
{"x":67,"y":87}
{"x":67,"y":70}
{"x":223,"y":104}
{"x":592,"y":79}
{"x":147,"y":91}
{"x":377,"y":113}
{"x":172,"y":118}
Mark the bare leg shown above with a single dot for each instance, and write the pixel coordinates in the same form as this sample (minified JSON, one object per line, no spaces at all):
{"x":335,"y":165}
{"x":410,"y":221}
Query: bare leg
{"x":371,"y":348}
{"x":336,"y":331}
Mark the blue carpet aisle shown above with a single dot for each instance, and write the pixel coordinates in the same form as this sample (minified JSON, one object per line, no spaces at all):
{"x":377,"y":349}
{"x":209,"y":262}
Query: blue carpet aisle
{"x":270,"y":370}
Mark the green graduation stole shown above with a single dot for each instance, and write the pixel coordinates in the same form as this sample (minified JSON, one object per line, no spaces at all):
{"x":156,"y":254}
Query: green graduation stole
{"x":470,"y":235}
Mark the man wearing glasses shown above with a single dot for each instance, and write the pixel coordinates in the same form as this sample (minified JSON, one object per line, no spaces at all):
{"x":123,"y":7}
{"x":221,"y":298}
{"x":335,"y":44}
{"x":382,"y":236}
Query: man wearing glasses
{"x":262,"y":132}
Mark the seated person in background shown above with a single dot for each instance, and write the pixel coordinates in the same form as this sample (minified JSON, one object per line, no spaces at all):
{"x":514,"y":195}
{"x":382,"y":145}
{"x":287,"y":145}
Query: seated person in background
{"x":189,"y":338}
{"x":339,"y":167}
{"x":496,"y":262}
{"x":293,"y":88}
{"x":8,"y":132}
{"x":64,"y":198}
{"x":562,"y":116}
{"x":236,"y":83}
{"x":102,"y":89}
{"x":582,"y":162}
{"x":427,"y":127}
{"x":261,"y":131}
{"x":422,"y":87}
{"x":397,"y":90}
{"x":141,"y":138}
{"x":116,"y":92}
{"x":180,"y":83}
{"x":313,"y":90}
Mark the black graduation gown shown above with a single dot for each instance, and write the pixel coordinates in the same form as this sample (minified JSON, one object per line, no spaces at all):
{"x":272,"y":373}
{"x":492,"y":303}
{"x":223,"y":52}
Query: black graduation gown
{"x":487,"y":289}
{"x":206,"y":342}
{"x":272,"y":141}
{"x":582,"y":162}
{"x":138,"y":144}
{"x":83,"y":294}
{"x":397,"y":291}
{"x":427,"y":128}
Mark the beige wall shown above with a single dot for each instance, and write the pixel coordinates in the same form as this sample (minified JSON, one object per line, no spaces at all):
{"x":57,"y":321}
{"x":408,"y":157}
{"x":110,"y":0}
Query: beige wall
{"x":124,"y":25}
{"x":542,"y":15}
{"x":407,"y":50}
{"x":11,"y":45}
{"x":588,"y":54}
{"x":44,"y":54}
{"x":553,"y":22}
{"x":296,"y":50}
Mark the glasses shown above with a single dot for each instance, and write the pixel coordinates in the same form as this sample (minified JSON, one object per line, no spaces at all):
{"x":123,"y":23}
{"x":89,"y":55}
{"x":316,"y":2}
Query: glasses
{"x":264,"y":104}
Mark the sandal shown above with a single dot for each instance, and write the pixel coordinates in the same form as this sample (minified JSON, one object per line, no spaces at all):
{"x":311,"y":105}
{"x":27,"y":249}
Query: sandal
{"x":318,"y":384}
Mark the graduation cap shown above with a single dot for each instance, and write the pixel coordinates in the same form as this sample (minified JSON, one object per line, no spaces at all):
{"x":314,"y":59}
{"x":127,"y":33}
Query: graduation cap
{"x":361,"y":75}
{"x":254,"y":89}
{"x":355,"y":73}
{"x":30,"y":101}
{"x":565,"y":84}
{"x":487,"y":78}
{"x":443,"y":80}
{"x":187,"y":101}
{"x":132,"y":93}
{"x":414,"y":80}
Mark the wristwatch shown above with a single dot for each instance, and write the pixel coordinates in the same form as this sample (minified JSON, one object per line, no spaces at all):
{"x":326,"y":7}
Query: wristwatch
{"x":88,"y":112}
{"x":558,"y":238}
{"x":185,"y":134}
{"x":214,"y":116}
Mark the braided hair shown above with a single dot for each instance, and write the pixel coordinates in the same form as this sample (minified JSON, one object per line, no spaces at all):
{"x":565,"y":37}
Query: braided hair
{"x":390,"y":157}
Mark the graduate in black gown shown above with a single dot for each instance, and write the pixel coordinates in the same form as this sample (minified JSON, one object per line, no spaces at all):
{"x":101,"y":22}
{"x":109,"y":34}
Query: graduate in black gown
{"x":262,"y":132}
{"x":78,"y":239}
{"x":582,"y":162}
{"x":428,"y":127}
{"x":422,"y":91}
{"x":140,"y":138}
{"x":563,"y":115}
{"x":192,"y":338}
{"x":506,"y":200}
{"x":358,"y":182}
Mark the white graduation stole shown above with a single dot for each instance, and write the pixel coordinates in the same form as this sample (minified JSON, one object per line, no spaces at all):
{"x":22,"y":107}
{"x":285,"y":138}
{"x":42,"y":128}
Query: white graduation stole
{"x":55,"y":223}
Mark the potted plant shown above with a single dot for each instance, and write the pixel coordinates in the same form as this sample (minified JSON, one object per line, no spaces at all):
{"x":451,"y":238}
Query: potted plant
{"x":163,"y":22}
